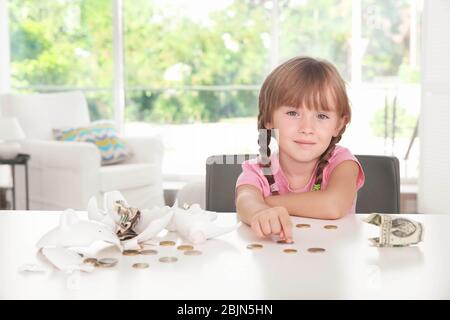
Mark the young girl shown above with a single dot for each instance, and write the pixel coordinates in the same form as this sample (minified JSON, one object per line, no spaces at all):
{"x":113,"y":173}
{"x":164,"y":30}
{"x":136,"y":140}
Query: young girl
{"x":304,"y":102}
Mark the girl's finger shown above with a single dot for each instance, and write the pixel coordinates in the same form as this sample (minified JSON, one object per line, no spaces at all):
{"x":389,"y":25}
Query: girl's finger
{"x":257,"y":228}
{"x":275,"y":225}
{"x":265,"y":227}
{"x":287,"y":227}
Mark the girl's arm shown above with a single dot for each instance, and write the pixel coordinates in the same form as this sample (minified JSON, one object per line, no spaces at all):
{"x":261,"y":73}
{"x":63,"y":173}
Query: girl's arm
{"x":332,"y":203}
{"x":249,"y":201}
{"x":263,"y":219}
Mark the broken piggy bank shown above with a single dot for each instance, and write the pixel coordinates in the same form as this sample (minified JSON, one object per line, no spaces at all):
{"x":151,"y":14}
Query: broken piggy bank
{"x":194,"y":224}
{"x":60,"y":244}
{"x":197,"y":225}
{"x":131,"y":225}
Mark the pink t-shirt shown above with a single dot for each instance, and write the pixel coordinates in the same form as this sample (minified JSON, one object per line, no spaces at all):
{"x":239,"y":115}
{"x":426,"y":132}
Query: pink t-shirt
{"x":252,"y":174}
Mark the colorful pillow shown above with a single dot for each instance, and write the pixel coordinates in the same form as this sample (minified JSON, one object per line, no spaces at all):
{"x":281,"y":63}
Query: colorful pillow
{"x":102,"y":134}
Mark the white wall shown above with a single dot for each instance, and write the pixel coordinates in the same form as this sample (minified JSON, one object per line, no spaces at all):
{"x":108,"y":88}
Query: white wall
{"x":434,"y":130}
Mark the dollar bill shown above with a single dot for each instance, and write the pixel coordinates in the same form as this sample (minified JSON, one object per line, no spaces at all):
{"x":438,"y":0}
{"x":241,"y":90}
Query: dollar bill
{"x":129,"y":217}
{"x":395,"y":231}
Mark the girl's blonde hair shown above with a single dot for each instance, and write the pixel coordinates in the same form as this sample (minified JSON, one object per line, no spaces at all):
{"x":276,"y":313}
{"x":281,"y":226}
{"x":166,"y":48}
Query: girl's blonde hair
{"x":302,"y":82}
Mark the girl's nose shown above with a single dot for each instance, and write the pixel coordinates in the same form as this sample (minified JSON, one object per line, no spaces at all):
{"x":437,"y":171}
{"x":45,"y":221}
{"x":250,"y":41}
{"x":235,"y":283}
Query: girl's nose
{"x":306,"y":124}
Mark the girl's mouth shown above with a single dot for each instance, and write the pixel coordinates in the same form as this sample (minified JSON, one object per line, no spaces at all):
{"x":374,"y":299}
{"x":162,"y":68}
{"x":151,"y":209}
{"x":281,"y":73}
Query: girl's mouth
{"x":304,"y":142}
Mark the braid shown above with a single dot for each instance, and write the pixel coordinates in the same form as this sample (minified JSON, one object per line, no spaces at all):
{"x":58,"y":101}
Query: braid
{"x":264,"y":138}
{"x":323,"y":160}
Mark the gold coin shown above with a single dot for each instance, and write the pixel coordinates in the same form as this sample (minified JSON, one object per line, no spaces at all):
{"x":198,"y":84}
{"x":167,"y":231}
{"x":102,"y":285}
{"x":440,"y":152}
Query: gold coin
{"x":107,"y":262}
{"x":290,"y":250}
{"x":167,"y":243}
{"x":140,"y":265}
{"x":330,"y":226}
{"x":285,"y":242}
{"x":316,"y":250}
{"x":90,"y":261}
{"x":192,"y":253}
{"x":303,"y":225}
{"x":168,"y":259}
{"x":254,"y":246}
{"x":130,"y":252}
{"x":185,"y":247}
{"x":149,"y":252}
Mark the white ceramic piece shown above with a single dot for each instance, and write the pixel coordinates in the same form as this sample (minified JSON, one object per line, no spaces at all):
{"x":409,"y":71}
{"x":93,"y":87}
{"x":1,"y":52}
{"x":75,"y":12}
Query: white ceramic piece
{"x":73,"y":232}
{"x":66,"y":260}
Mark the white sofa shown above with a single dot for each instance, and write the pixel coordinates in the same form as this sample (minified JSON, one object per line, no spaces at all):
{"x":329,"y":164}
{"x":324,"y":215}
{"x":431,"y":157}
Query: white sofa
{"x":66,"y":174}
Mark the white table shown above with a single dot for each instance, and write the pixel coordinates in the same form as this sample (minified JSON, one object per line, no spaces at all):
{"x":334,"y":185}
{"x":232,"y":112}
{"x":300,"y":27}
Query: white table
{"x":349,"y":269}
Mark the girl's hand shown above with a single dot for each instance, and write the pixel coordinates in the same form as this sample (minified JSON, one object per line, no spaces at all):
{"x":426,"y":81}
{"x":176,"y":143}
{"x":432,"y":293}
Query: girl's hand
{"x":275,"y":220}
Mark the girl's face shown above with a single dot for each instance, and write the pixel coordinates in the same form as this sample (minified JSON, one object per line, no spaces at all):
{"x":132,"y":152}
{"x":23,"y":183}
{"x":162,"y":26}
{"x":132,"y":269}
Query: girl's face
{"x":303,"y":134}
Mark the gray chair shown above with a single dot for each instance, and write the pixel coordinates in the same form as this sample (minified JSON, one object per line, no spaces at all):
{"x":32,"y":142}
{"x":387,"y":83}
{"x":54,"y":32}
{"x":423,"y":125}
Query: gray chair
{"x":380,"y":193}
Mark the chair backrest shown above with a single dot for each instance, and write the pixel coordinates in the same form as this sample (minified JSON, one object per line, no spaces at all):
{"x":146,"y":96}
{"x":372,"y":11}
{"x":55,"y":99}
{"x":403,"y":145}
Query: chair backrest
{"x":40,"y":113}
{"x":381,"y":190}
{"x":380,"y":193}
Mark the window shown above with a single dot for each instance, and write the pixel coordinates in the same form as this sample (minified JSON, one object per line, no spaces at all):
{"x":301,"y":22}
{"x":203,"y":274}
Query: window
{"x":190,"y":63}
{"x":193,"y":68}
{"x":63,"y":45}
{"x":386,"y":105}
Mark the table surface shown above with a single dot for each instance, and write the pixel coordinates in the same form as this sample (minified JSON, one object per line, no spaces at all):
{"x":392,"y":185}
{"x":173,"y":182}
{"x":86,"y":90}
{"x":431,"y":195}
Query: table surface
{"x":349,"y":268}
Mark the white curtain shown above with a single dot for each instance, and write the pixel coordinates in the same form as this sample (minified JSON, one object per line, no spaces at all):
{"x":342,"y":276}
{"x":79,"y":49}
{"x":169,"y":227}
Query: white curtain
{"x":434,"y":130}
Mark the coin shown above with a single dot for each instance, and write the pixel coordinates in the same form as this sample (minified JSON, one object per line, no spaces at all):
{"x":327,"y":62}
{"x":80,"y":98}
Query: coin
{"x":90,"y":261}
{"x":316,"y":250}
{"x":192,"y":253}
{"x":107,"y":262}
{"x":148,"y":252}
{"x":168,"y":259}
{"x":167,"y":243}
{"x":303,"y":225}
{"x":185,"y":247}
{"x":140,"y":265}
{"x":330,"y":226}
{"x":285,"y":242}
{"x":290,"y":250}
{"x":130,"y":252}
{"x":254,"y":246}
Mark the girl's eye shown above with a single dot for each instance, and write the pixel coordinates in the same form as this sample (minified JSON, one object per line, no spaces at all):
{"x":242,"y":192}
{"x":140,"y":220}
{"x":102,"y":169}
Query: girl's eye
{"x":292,"y":113}
{"x":322,"y":116}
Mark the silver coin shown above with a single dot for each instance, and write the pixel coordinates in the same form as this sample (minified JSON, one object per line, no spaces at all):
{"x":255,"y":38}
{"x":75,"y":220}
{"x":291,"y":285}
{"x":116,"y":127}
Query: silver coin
{"x":185,"y":247}
{"x":192,"y":253}
{"x":149,"y":252}
{"x":168,"y":259}
{"x":315,"y":250}
{"x":107,"y":262}
{"x":140,"y":265}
